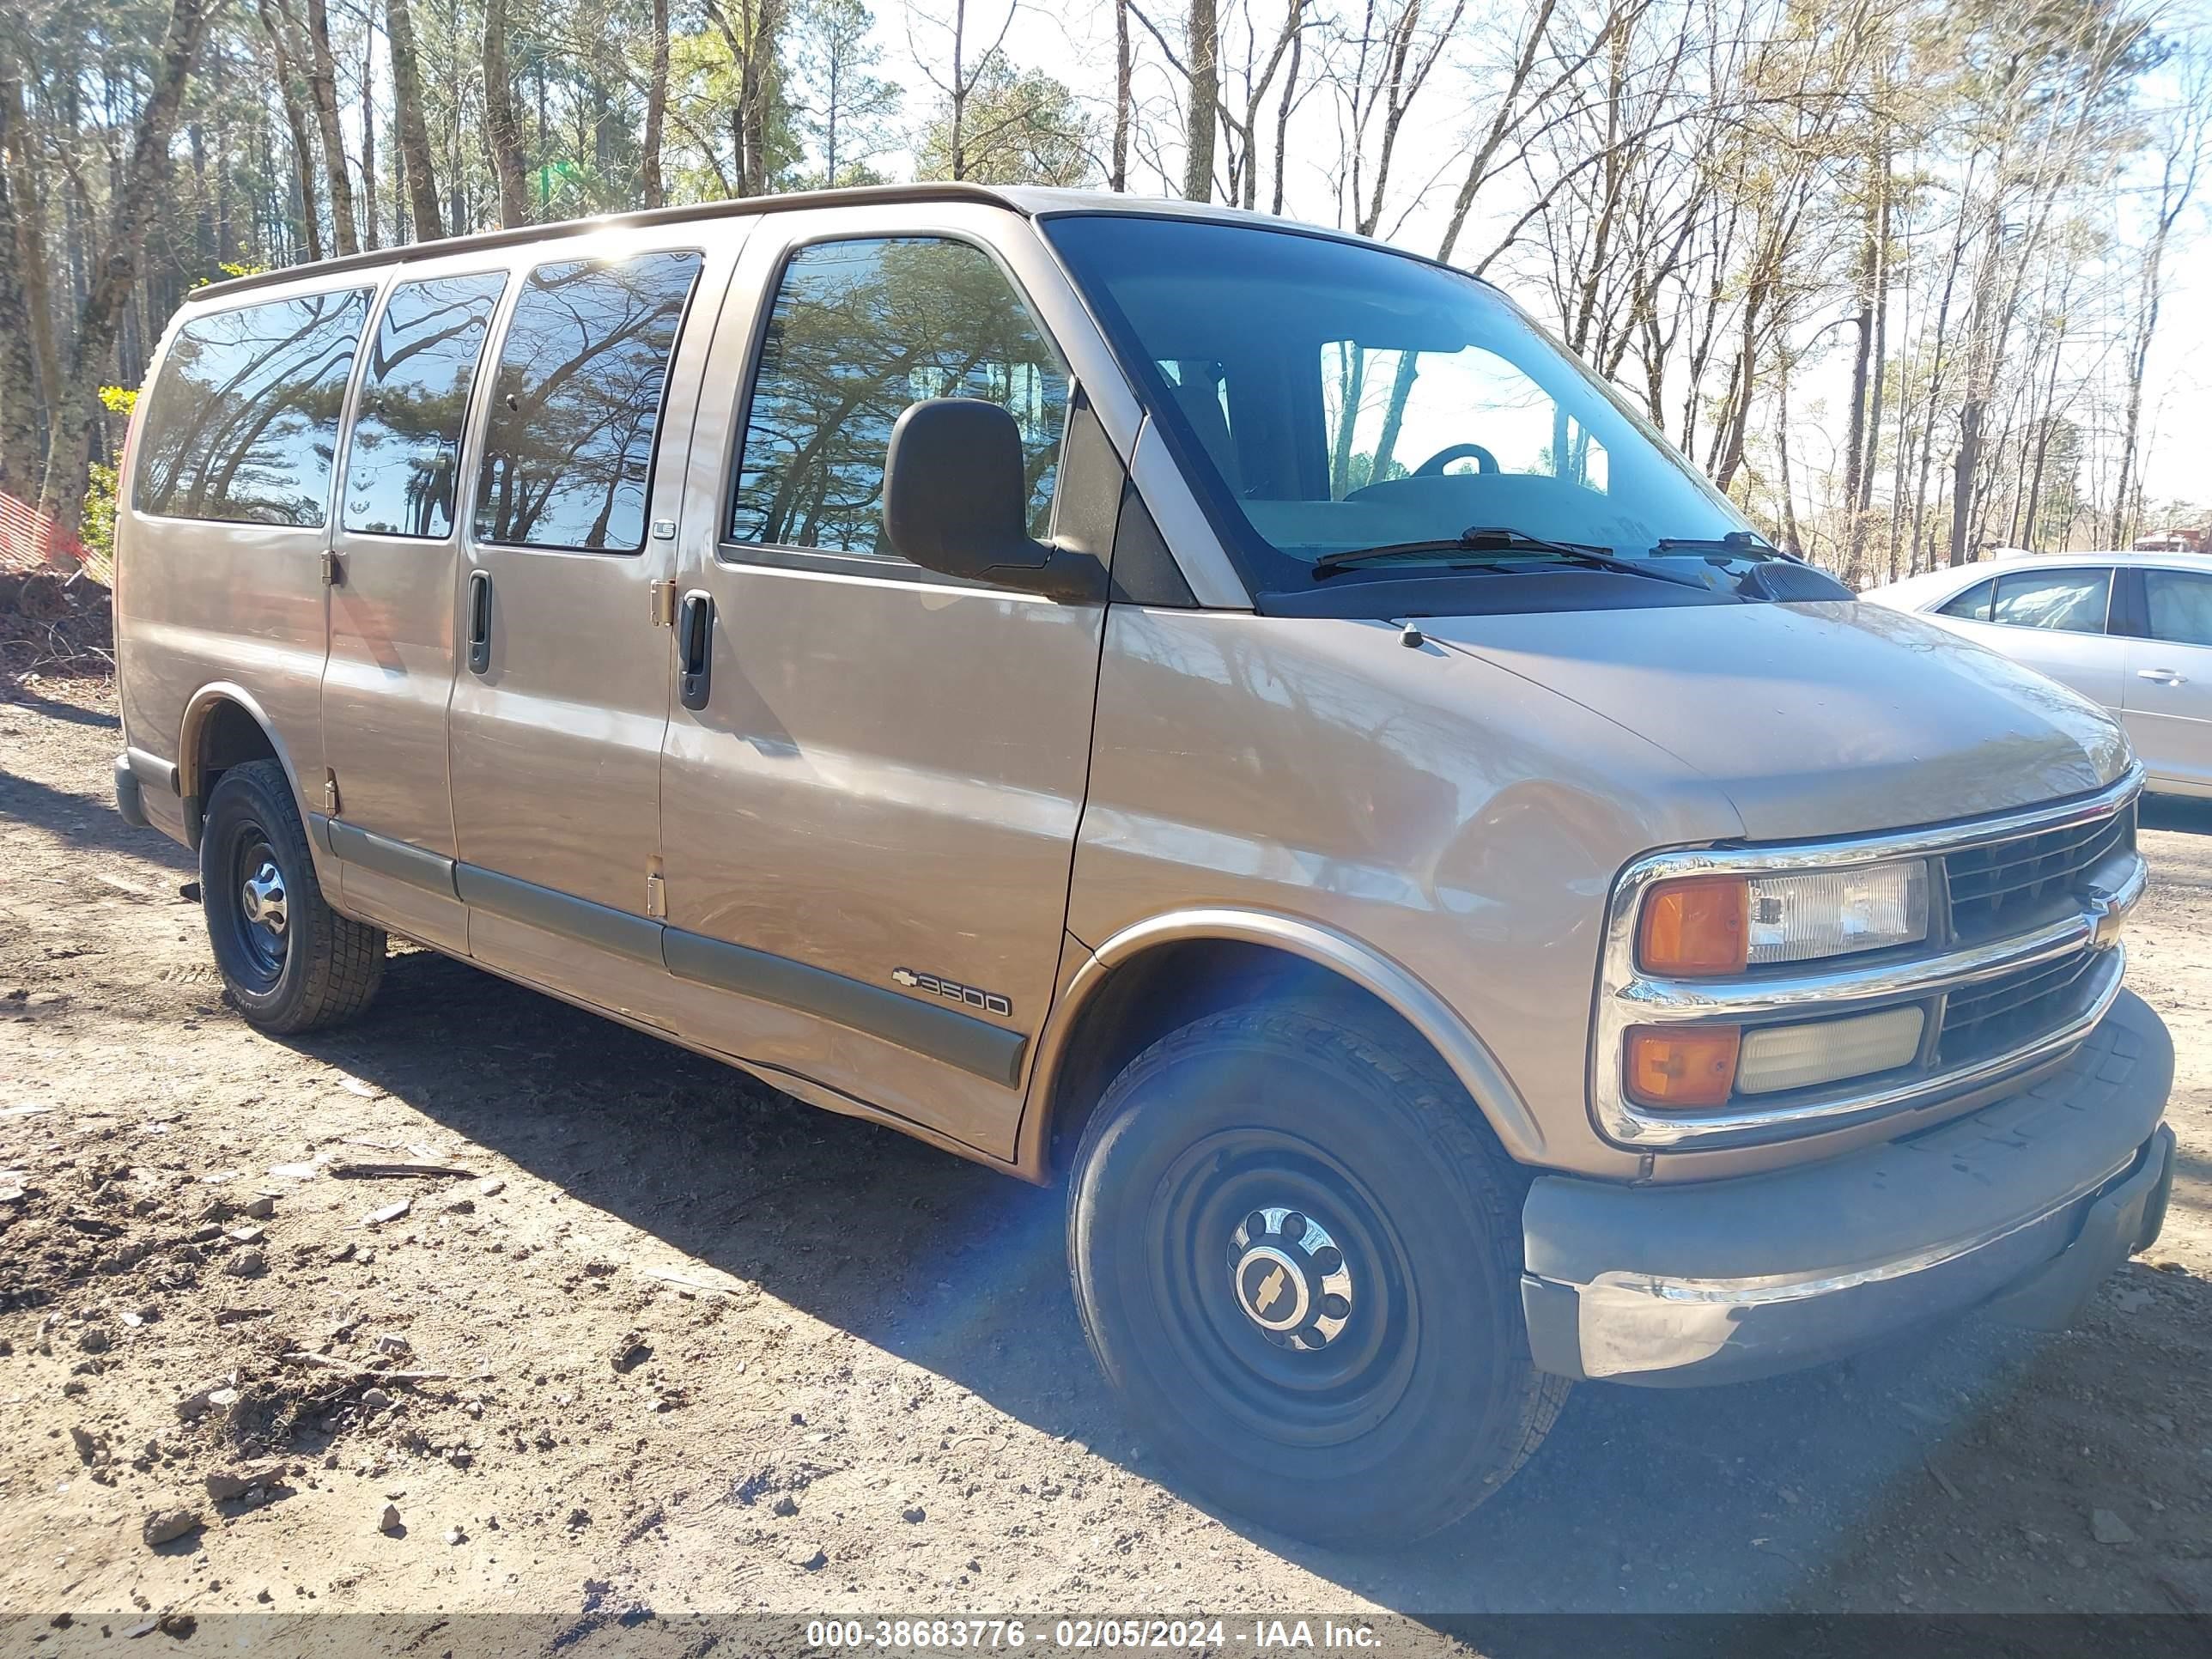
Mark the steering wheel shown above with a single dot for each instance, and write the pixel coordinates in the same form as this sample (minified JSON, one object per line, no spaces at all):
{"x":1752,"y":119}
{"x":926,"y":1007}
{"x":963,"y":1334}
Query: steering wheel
{"x":1483,"y":459}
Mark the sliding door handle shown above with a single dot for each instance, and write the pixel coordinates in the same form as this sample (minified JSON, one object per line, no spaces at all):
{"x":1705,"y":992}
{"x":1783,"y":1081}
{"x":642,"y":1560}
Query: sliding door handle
{"x":695,"y":648}
{"x":479,"y":621}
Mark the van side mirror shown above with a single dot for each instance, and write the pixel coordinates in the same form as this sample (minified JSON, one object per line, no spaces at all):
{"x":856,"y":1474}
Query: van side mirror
{"x":956,"y":500}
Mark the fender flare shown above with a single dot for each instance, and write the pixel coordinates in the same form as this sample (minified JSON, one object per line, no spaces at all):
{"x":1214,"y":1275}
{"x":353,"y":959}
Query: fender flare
{"x":1437,"y":1021}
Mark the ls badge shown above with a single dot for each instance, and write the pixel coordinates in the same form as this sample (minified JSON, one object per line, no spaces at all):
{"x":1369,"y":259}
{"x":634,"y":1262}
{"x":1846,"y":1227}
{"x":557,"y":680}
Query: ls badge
{"x":967,"y":995}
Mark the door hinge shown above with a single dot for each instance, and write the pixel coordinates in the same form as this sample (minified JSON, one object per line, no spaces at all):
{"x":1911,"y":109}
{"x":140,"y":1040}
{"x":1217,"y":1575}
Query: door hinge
{"x":656,"y":898}
{"x":333,"y":571}
{"x":330,"y":792}
{"x":660,"y":597}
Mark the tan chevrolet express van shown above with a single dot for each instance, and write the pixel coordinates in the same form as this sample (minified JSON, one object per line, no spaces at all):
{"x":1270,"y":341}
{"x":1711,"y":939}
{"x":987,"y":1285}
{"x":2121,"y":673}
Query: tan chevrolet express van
{"x":1214,"y":710}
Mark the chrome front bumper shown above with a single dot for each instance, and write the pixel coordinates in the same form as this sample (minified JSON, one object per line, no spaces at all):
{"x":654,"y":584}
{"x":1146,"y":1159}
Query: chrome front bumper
{"x":2029,"y":1203}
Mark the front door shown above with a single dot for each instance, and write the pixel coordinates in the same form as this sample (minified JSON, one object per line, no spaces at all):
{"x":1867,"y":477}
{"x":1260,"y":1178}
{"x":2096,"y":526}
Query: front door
{"x":393,"y":613}
{"x":873,"y":774}
{"x":2168,"y":678}
{"x":2054,"y":622}
{"x":563,"y":693}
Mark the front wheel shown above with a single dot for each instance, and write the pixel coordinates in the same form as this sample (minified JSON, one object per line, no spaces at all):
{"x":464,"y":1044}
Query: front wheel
{"x":290,"y":962}
{"x":1296,"y":1257}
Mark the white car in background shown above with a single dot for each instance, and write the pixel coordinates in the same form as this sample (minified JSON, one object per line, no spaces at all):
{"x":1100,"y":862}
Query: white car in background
{"x":2132,"y":631}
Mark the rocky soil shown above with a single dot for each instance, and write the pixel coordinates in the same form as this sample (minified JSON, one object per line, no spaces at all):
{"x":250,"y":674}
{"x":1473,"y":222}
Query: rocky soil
{"x":486,"y":1305}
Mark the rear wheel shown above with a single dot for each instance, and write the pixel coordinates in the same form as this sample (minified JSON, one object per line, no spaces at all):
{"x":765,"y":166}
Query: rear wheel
{"x":291,"y":963}
{"x":1296,"y":1256}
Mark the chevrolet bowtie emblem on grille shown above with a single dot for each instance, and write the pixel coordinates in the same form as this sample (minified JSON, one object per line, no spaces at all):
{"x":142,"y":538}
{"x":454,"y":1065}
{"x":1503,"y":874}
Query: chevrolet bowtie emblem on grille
{"x":988,"y":1002}
{"x":1270,"y":1290}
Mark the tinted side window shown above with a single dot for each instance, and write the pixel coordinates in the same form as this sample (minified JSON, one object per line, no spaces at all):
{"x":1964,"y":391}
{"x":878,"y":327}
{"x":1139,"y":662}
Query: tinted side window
{"x":569,"y":450}
{"x":1973,"y":604}
{"x":2071,"y":601}
{"x":242,"y":424}
{"x":407,"y":432}
{"x":2179,"y":604}
{"x":860,"y":331}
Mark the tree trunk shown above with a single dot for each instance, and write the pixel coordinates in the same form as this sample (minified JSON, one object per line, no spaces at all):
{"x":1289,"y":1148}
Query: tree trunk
{"x":1855,"y":437}
{"x":30,"y":244}
{"x":501,"y":127}
{"x":323,"y":87}
{"x":1789,"y":541}
{"x":61,"y":497}
{"x":1283,"y":116}
{"x":656,"y":111}
{"x":295,"y":123}
{"x":1118,"y":179}
{"x":414,"y":132}
{"x":1963,"y":469}
{"x":1205,"y":101}
{"x":368,"y":230}
{"x":20,"y":399}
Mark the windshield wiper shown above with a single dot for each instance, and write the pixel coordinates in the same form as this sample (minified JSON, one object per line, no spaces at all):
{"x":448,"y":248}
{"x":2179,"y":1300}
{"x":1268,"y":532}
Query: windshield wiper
{"x":1497,"y":538}
{"x":1743,"y":544}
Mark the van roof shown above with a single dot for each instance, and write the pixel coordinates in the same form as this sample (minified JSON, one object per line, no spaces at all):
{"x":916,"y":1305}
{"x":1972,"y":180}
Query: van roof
{"x":1030,"y":201}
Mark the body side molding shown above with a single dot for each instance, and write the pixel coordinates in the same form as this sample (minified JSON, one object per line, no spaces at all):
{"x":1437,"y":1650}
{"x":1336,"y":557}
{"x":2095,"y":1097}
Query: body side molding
{"x":956,"y":1039}
{"x":986,"y":1050}
{"x":401,"y":861}
{"x":526,"y":902}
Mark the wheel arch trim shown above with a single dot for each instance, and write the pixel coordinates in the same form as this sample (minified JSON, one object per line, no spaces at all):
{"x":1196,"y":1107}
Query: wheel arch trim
{"x":1455,"y":1040}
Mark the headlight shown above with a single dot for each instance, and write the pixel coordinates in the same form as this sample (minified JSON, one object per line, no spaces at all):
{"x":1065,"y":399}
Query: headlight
{"x":1705,"y":925}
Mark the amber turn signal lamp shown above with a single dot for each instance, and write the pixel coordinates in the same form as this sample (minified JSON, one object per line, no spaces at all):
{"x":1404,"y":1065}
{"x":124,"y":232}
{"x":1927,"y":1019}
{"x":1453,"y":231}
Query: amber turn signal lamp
{"x":1682,"y":1067}
{"x":1695,"y":925}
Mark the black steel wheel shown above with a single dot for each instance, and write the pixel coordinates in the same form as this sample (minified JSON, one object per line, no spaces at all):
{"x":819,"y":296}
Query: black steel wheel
{"x":1295,"y":1251}
{"x":289,"y":962}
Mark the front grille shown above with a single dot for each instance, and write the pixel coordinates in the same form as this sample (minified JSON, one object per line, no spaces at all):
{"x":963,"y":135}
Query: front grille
{"x":2009,"y":886}
{"x":2011,"y":1011}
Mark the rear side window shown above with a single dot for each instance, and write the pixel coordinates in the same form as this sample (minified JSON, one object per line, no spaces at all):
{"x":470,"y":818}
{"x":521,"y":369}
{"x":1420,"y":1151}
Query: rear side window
{"x":243,"y":421}
{"x":569,"y":450}
{"x":1973,"y":604}
{"x":2066,"y":601}
{"x":860,"y":330}
{"x":401,"y":465}
{"x":2178,"y":606}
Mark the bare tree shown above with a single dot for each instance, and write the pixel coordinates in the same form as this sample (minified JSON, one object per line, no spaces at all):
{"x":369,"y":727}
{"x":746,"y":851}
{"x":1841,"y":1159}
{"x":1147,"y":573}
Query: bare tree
{"x":323,"y":89}
{"x":414,"y":131}
{"x":277,"y":30}
{"x":1205,"y":71}
{"x":502,"y":126}
{"x":100,"y":315}
{"x":2181,"y":163}
{"x":650,"y":184}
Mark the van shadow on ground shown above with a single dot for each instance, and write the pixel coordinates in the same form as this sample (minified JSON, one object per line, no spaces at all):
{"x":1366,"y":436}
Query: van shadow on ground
{"x":1810,"y":1491}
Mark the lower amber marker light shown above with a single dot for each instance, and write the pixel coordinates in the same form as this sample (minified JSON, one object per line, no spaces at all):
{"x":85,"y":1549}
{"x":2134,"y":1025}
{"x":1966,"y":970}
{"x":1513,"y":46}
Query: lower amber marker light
{"x":1681,"y":1066}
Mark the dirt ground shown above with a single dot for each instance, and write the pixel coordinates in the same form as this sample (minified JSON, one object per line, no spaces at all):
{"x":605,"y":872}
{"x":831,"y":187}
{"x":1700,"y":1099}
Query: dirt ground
{"x":673,"y":1342}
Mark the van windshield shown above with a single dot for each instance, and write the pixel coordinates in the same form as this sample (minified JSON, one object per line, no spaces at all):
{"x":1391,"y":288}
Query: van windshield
{"x":1346,"y":411}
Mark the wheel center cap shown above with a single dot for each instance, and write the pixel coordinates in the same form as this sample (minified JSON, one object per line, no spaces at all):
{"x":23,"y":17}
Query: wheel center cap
{"x":263,"y":900}
{"x":1290,"y":1277}
{"x":1272,"y":1288}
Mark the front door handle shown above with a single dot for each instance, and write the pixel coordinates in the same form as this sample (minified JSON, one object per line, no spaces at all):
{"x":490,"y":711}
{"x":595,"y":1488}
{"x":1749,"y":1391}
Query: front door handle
{"x":479,"y":621}
{"x":2163,"y":675}
{"x":695,"y":647}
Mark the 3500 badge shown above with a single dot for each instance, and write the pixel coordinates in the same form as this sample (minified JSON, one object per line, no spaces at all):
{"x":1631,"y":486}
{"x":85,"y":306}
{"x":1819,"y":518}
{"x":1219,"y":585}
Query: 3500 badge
{"x":967,"y":995}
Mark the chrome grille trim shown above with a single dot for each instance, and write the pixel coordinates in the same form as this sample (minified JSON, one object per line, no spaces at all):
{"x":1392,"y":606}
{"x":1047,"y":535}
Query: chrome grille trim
{"x":1929,"y":973}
